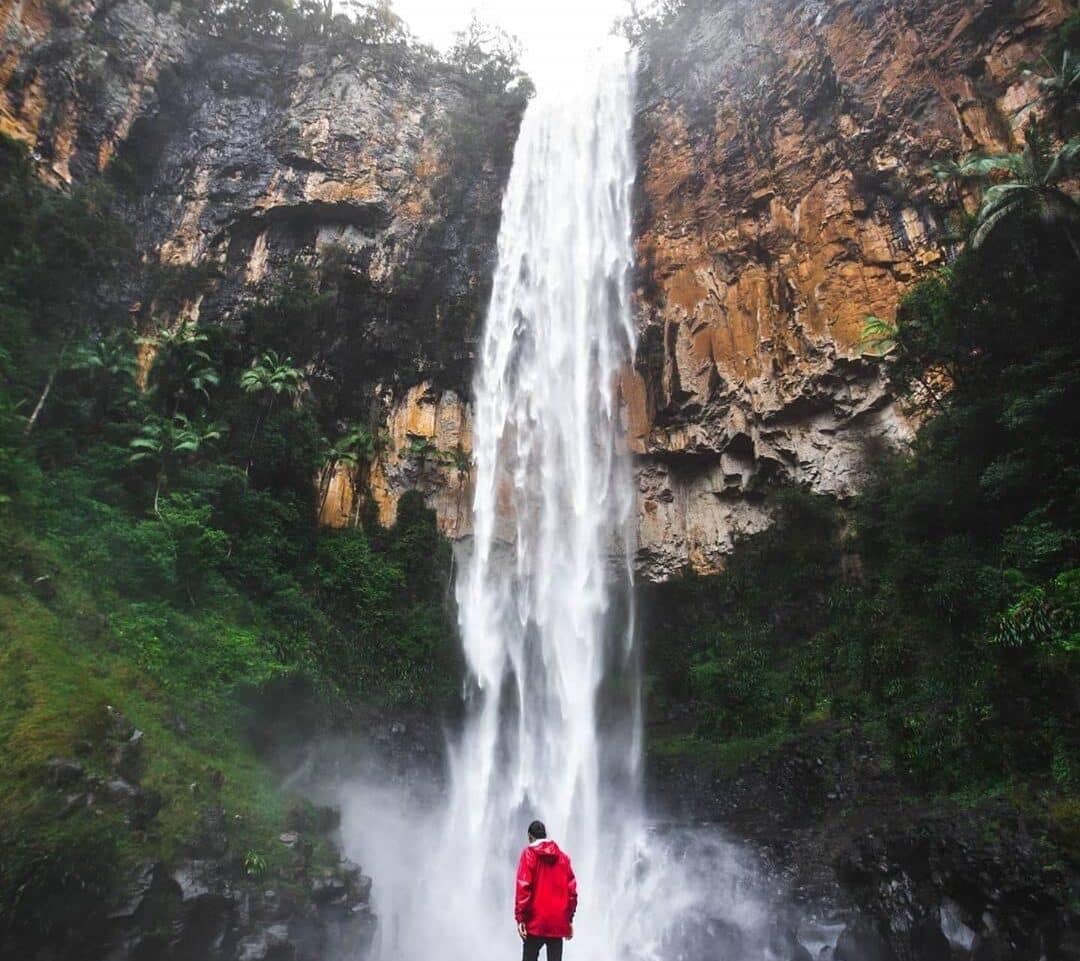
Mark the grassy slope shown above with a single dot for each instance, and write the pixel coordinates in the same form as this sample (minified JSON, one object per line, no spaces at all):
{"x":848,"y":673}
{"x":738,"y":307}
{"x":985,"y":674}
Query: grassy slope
{"x":65,"y":659}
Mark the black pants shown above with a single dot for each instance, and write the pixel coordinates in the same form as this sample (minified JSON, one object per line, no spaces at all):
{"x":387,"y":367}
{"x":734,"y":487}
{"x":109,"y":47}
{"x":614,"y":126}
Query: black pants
{"x":531,"y":949}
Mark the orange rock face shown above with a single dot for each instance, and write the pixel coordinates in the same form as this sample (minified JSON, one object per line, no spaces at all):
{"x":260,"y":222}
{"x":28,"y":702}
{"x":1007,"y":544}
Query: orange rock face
{"x":785,"y":196}
{"x":427,"y":447}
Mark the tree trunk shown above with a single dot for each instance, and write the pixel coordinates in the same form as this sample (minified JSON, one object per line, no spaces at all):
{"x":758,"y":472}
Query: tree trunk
{"x":1072,"y":242}
{"x":255,"y":433}
{"x":39,"y":406}
{"x":324,"y":486}
{"x":363,"y":478}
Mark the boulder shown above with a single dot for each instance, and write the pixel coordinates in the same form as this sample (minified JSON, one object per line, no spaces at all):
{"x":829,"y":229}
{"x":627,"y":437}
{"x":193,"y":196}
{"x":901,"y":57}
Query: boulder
{"x":271,"y":943}
{"x":860,"y":941}
{"x":63,"y":772}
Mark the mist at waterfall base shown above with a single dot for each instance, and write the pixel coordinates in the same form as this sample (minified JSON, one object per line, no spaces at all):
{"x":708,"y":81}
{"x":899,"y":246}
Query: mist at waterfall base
{"x":544,"y":591}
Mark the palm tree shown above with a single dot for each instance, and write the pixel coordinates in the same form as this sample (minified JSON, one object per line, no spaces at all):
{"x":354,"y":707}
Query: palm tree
{"x":354,"y":448}
{"x":878,"y":335}
{"x":269,"y":372}
{"x":881,"y":337}
{"x":183,"y":367}
{"x":168,"y":440}
{"x":1059,"y":87}
{"x":109,"y":360}
{"x":1033,"y":184}
{"x":108,"y":356}
{"x":274,"y":376}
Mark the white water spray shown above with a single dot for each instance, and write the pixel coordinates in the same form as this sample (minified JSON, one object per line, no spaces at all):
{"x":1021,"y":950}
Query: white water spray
{"x":553,"y":726}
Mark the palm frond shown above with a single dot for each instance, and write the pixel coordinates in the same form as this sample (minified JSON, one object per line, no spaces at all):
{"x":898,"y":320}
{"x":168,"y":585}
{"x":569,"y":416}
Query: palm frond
{"x":878,"y":334}
{"x":1065,"y":163}
{"x":987,"y":224}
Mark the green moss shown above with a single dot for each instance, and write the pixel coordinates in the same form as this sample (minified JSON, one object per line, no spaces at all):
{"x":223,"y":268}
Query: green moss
{"x":726,"y":755}
{"x":1065,"y":822}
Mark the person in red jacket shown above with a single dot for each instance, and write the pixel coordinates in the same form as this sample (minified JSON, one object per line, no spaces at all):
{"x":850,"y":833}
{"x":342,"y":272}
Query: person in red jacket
{"x":546,"y":896}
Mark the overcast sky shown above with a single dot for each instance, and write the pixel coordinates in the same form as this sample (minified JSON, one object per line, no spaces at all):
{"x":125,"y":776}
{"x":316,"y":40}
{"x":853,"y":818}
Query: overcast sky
{"x":551,"y":31}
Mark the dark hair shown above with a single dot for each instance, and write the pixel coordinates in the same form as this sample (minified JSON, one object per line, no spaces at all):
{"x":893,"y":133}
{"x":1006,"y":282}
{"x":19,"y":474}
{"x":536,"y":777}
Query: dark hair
{"x":537,"y":830}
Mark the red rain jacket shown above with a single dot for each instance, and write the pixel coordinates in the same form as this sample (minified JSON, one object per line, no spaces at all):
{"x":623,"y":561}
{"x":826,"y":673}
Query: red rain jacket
{"x":546,"y":891}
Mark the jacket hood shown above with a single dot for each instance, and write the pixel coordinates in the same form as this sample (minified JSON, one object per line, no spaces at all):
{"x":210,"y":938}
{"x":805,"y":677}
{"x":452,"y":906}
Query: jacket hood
{"x":546,"y":850}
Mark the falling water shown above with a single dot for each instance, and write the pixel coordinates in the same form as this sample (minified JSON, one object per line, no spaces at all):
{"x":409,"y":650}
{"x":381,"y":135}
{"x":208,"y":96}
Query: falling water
{"x":544,"y":617}
{"x":553,"y":723}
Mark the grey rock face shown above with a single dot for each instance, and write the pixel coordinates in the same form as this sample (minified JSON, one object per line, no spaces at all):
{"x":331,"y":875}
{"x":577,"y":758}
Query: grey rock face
{"x":237,"y":160}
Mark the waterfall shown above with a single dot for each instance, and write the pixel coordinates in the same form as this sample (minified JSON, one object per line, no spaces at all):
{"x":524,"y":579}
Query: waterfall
{"x":542,"y":595}
{"x":552,"y":728}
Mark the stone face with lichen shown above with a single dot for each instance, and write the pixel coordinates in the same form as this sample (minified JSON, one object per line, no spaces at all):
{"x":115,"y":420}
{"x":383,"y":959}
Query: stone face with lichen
{"x":784,"y":197}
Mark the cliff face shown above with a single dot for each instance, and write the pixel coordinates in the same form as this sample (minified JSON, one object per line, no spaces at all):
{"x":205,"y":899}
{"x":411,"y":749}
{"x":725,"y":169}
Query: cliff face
{"x":237,"y":161}
{"x":785,"y":196}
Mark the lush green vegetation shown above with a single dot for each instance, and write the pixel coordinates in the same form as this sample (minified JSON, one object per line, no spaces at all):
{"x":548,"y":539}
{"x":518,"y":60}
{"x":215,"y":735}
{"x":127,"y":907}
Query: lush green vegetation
{"x":158,"y":496}
{"x":941,"y":608}
{"x":159,"y":556}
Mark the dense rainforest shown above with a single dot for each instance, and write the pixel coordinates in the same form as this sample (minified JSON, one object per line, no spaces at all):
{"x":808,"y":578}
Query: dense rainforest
{"x":161,"y":555}
{"x":166,"y":590}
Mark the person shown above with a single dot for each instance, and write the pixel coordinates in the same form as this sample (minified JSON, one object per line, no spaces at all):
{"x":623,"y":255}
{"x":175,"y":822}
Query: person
{"x":546,"y":896}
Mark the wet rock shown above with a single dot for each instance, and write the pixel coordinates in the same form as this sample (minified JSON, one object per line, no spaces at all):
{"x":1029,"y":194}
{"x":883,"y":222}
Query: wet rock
{"x":63,"y":772}
{"x":862,"y":942}
{"x":785,"y":946}
{"x":44,"y":587}
{"x":73,"y":803}
{"x":363,"y":888}
{"x":146,"y":809}
{"x":349,"y":870}
{"x":954,"y":928}
{"x":137,"y":889}
{"x":270,"y":944}
{"x":194,"y":879}
{"x":127,"y":756}
{"x":119,"y":727}
{"x":120,"y":792}
{"x":140,"y":806}
{"x":329,"y":889}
